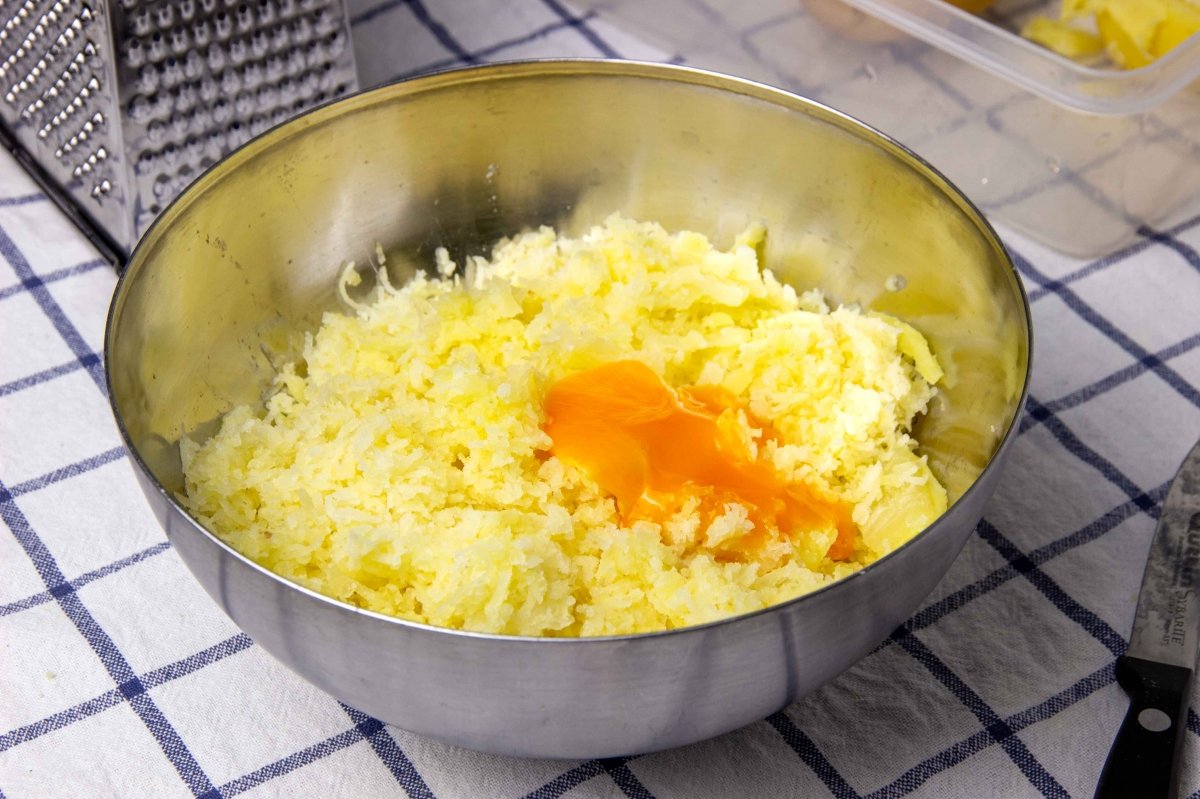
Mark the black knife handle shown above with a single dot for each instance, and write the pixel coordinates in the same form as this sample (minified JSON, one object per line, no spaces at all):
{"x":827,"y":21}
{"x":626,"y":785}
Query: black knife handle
{"x":1144,"y":761}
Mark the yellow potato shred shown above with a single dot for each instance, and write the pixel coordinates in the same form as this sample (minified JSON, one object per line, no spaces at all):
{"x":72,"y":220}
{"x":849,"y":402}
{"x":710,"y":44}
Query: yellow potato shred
{"x":1131,"y":33}
{"x":401,"y":465}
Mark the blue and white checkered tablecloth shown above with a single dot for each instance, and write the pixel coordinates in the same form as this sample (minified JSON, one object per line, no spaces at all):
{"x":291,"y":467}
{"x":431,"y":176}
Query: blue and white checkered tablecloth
{"x":119,"y":677}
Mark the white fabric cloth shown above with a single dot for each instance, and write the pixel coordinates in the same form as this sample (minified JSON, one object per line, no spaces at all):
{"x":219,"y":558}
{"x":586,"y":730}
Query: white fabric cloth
{"x":119,"y":676}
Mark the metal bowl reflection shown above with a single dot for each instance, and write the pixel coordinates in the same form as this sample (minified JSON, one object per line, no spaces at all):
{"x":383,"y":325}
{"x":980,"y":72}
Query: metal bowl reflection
{"x":245,"y":261}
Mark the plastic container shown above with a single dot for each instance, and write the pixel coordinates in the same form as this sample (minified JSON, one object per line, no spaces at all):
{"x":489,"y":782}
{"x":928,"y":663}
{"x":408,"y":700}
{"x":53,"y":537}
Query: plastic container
{"x":1083,"y":159}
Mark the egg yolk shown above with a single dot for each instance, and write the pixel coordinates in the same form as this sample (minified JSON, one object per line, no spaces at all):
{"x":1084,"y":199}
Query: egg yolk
{"x":653,"y":449}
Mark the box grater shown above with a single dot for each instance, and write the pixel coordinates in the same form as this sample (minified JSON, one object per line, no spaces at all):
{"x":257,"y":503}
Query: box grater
{"x":116,"y":105}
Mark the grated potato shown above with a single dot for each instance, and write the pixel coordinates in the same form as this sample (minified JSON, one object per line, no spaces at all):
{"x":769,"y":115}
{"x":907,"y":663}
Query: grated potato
{"x":402,"y":466}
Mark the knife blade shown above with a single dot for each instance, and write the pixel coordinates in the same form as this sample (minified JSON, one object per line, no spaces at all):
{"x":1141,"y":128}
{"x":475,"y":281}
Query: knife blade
{"x":1156,"y":669}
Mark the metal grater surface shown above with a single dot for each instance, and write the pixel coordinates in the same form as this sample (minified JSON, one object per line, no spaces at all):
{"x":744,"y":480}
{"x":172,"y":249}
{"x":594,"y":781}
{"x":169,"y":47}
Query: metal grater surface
{"x":120,"y":104}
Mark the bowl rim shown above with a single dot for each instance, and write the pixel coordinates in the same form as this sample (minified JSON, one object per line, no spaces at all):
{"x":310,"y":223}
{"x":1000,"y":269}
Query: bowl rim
{"x":562,"y":67}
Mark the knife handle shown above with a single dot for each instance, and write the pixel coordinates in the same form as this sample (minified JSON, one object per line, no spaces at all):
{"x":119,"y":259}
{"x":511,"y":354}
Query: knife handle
{"x":1144,"y":760}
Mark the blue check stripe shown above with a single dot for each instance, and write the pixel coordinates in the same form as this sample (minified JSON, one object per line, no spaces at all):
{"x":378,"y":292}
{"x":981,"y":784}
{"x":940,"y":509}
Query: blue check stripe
{"x":999,"y":729}
{"x":1188,"y":253}
{"x":376,"y":733}
{"x":7,"y":495}
{"x":1104,"y":385}
{"x":427,"y":21}
{"x":812,"y":757}
{"x":61,"y":719}
{"x":51,"y":277}
{"x":439,"y":31}
{"x":1118,"y":337}
{"x":498,"y":47}
{"x":373,"y":13}
{"x":1083,"y":452}
{"x":919,"y":774}
{"x":580,"y":25}
{"x":630,"y":785}
{"x":567,"y":781}
{"x":148,"y":681}
{"x":1024,"y":565}
{"x":1111,"y":259}
{"x":904,"y":52}
{"x":24,"y":199}
{"x":956,"y":600}
{"x":53,"y":310}
{"x":365,"y":729}
{"x":290,"y":763}
{"x":746,"y":43}
{"x":79,"y":582}
{"x":29,"y":381}
{"x":110,"y":656}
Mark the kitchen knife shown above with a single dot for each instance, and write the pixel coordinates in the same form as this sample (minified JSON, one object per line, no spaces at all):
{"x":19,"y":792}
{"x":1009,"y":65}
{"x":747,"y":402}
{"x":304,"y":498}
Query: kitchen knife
{"x":1156,"y":670}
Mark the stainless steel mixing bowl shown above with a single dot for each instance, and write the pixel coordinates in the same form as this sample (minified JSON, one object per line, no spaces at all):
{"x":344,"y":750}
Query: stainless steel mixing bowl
{"x":223,"y":284}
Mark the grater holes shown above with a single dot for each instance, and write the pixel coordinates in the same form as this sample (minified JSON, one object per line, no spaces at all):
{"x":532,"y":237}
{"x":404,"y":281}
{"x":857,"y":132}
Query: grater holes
{"x":135,"y":55}
{"x":252,"y":74}
{"x":43,"y":55}
{"x":215,"y":58}
{"x":260,"y":43}
{"x":275,"y":67}
{"x":13,"y":25}
{"x":201,"y":120}
{"x":62,"y":81}
{"x":101,"y":189}
{"x":202,"y":32}
{"x":223,"y":25}
{"x":314,"y":54}
{"x":244,"y":17}
{"x":193,"y":148}
{"x":222,"y":111}
{"x":71,"y":107}
{"x":280,"y":38}
{"x":147,"y":79}
{"x":178,"y":41}
{"x":140,"y":22}
{"x":156,"y":47}
{"x":265,"y":12}
{"x":164,"y":17}
{"x":90,"y":128}
{"x":140,"y":108}
{"x":301,"y":30}
{"x":243,"y":104}
{"x":335,"y":43}
{"x":208,"y":90}
{"x":171,"y":72}
{"x":90,"y":163}
{"x":237,"y":51}
{"x":179,"y":125}
{"x":184,"y":98}
{"x":146,"y":164}
{"x":193,"y":65}
{"x":231,"y":81}
{"x":259,"y":124}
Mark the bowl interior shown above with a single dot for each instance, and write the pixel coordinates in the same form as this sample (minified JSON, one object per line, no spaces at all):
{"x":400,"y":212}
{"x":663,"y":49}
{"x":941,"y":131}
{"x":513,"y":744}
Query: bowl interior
{"x":222,"y":288}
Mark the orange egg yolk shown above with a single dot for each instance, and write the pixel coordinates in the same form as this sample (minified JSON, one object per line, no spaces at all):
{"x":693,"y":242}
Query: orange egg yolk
{"x":653,"y":449}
